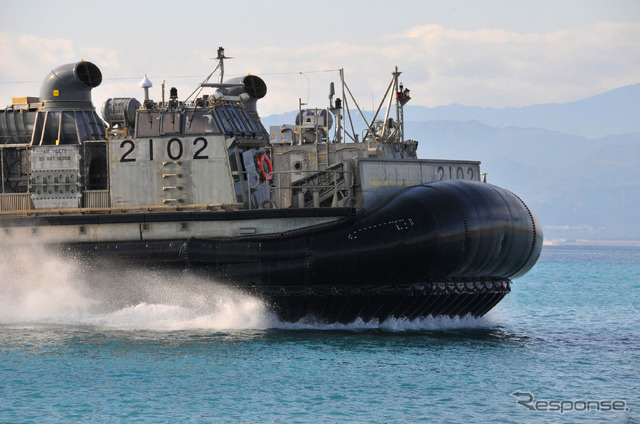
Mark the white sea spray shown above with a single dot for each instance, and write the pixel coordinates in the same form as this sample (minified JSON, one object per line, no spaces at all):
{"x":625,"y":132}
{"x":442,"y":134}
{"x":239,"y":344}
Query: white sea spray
{"x":38,"y":285}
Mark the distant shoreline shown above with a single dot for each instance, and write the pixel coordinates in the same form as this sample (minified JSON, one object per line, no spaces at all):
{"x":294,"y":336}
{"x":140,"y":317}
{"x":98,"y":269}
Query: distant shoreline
{"x":633,"y":243}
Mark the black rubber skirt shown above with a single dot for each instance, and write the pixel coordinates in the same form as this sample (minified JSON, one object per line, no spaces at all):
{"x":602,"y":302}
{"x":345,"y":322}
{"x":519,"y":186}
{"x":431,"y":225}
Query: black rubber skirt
{"x":445,"y":248}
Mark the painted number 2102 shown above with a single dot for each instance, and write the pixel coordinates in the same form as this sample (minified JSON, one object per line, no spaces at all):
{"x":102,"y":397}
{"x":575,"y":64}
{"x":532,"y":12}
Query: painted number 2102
{"x":175,"y":149}
{"x":451,"y":172}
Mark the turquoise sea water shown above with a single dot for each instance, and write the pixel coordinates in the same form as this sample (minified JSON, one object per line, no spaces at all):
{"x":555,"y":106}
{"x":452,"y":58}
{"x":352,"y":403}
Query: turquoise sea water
{"x":153,"y":350}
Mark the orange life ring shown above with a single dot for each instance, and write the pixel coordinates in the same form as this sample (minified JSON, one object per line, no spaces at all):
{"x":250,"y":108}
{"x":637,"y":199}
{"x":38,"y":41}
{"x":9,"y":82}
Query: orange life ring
{"x":265,"y":174}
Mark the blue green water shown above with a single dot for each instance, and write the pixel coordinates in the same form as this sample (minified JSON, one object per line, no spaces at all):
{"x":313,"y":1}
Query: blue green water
{"x":72,"y":352}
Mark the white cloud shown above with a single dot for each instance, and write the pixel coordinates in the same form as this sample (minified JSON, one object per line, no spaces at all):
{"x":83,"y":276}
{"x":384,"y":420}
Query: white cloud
{"x":25,"y":56}
{"x":506,"y":68}
{"x":486,"y":67}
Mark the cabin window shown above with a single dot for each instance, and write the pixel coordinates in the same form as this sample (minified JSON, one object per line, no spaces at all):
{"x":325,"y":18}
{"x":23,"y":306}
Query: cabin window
{"x":171,"y":123}
{"x":236,"y":120}
{"x":225,"y":119}
{"x":148,"y":124}
{"x":200,"y":122}
{"x":249,"y":122}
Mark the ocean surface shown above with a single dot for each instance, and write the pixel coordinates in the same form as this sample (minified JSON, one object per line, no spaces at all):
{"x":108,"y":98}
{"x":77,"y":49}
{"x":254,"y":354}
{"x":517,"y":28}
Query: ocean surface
{"x":564,"y":346}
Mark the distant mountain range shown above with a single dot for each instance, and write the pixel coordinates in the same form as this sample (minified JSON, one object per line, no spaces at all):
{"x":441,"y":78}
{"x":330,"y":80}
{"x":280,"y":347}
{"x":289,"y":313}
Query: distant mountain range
{"x":577,"y":164}
{"x":580,"y":188}
{"x":613,"y":112}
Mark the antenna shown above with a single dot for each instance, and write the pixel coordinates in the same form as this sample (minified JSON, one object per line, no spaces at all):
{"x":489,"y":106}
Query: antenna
{"x":146,"y":84}
{"x":221,"y":57}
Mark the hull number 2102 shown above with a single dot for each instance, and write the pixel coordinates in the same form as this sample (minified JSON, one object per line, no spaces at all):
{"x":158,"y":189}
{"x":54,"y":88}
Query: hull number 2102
{"x":175,"y":149}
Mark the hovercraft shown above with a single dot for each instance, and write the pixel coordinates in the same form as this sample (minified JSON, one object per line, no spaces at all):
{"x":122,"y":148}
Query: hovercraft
{"x":311,"y":217}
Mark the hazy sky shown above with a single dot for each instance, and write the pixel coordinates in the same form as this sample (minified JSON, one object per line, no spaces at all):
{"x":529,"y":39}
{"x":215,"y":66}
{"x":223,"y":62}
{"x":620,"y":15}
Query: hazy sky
{"x":484,"y":53}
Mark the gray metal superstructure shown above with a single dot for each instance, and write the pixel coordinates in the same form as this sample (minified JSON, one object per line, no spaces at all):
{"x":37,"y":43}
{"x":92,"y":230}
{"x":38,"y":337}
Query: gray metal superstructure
{"x":202,"y":155}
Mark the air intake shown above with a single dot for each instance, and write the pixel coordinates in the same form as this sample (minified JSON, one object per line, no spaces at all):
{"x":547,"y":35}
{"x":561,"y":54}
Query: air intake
{"x":69,"y":86}
{"x":254,"y":86}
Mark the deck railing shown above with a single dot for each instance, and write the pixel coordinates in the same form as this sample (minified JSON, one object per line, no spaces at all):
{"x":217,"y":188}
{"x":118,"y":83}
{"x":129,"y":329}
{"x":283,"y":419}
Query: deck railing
{"x":313,"y":189}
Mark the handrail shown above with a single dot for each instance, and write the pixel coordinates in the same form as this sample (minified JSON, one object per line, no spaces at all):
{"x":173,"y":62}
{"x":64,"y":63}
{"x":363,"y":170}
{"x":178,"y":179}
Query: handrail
{"x":343,"y":184}
{"x":250,"y":188}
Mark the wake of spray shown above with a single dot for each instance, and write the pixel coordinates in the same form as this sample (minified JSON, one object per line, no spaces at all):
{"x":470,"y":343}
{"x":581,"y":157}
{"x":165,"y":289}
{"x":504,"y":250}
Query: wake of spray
{"x":38,"y":286}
